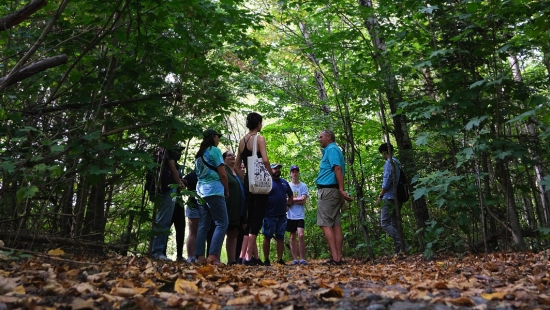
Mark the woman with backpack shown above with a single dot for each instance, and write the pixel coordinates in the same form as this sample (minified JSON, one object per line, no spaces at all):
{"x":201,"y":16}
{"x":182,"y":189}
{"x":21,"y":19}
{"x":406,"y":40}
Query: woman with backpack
{"x":213,"y":188}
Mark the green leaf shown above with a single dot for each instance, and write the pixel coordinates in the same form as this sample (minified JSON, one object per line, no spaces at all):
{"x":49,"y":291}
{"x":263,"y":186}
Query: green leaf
{"x":429,"y":9}
{"x":475,"y":122}
{"x":422,"y":138}
{"x":8,"y":166}
{"x":26,"y":192}
{"x":478,"y":83}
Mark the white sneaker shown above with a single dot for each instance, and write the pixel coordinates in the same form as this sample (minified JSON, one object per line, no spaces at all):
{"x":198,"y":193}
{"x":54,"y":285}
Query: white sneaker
{"x":162,"y":257}
{"x":192,"y":260}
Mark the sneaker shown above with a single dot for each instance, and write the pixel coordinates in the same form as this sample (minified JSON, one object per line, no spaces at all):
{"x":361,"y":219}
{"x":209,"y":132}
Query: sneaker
{"x":180,"y":259}
{"x":294,"y":262}
{"x":267,"y":262}
{"x":332,"y":262}
{"x":281,"y":262}
{"x":162,"y":257}
{"x":239,"y":261}
{"x":303,"y":262}
{"x":231,"y":263}
{"x":251,"y":262}
{"x":408,"y":248}
{"x":259,"y":261}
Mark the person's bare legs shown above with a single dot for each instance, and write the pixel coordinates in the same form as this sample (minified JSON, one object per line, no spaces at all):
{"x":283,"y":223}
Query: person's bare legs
{"x":280,"y":248}
{"x":191,"y":238}
{"x":293,"y":246}
{"x":244,"y":247}
{"x":252,"y":248}
{"x":301,"y":244}
{"x":231,"y":244}
{"x":266,"y":244}
{"x":339,"y":241}
{"x":330,"y":235}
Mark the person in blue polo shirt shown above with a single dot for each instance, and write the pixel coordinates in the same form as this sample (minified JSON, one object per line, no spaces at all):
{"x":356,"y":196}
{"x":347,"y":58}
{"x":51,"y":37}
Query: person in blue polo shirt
{"x":279,"y":200}
{"x":331,"y":195}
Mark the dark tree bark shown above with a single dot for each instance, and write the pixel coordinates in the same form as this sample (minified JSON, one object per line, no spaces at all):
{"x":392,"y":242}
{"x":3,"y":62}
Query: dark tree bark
{"x":20,"y":15}
{"x":36,"y":68}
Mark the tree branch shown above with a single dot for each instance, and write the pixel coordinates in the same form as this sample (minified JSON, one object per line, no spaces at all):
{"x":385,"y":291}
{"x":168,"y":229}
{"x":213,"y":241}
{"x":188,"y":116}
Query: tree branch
{"x":35,"y":46}
{"x":35,"y":68}
{"x":20,"y":15}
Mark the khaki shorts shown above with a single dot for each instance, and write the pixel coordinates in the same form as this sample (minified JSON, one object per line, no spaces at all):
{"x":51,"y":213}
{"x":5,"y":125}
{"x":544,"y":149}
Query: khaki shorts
{"x":329,"y":202}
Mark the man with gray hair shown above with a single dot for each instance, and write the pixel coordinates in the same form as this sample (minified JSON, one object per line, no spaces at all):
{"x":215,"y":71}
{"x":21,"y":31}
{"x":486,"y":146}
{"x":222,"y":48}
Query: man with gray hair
{"x":331,"y":195}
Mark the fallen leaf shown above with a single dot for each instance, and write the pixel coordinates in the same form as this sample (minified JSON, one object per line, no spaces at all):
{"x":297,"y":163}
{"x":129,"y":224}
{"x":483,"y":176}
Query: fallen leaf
{"x":184,"y":286}
{"x":244,"y":300}
{"x":123,"y":292}
{"x":19,"y":290}
{"x":225,"y":290}
{"x":80,"y":303}
{"x":207,"y":270}
{"x":266,"y":283}
{"x":462,"y":301}
{"x":7,"y":285}
{"x":493,"y":296}
{"x":56,"y":252}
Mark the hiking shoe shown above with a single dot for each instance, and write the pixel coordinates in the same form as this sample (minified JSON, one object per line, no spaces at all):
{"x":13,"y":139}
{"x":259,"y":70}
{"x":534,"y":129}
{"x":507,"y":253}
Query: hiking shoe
{"x":294,"y":262}
{"x":332,"y":262}
{"x":162,"y":257}
{"x":251,"y":262}
{"x":232,"y":263}
{"x":303,"y":262}
{"x":408,"y":248}
{"x":239,"y":261}
{"x":281,"y":262}
{"x":180,"y":259}
{"x":267,"y":262}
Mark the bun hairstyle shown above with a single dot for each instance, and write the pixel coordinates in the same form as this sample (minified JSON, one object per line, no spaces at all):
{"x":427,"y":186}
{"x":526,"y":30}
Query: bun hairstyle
{"x":253,"y":119}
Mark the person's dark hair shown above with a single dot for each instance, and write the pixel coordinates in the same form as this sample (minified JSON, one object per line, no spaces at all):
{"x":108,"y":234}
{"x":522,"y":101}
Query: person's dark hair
{"x":206,"y":143}
{"x":224,"y":155}
{"x":253,"y":119}
{"x":384,"y":148}
{"x":330,"y":134}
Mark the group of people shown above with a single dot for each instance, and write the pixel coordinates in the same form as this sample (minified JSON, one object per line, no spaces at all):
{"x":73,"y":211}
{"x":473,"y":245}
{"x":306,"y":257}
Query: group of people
{"x":225,"y":207}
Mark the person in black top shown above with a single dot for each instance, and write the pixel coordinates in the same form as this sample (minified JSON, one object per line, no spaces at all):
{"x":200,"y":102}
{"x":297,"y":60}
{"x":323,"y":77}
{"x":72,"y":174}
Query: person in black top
{"x":256,"y":203}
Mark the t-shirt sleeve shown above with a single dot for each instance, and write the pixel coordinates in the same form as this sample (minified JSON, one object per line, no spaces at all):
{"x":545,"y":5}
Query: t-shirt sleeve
{"x":289,"y":192}
{"x":333,"y":158}
{"x":216,"y":156}
{"x":304,"y":190}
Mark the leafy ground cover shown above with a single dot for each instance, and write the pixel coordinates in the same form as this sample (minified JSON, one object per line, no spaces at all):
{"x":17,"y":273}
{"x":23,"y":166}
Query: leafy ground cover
{"x":59,"y":281}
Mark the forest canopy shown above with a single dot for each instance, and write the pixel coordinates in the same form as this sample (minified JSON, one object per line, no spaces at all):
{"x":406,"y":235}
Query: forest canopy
{"x":90,"y":89}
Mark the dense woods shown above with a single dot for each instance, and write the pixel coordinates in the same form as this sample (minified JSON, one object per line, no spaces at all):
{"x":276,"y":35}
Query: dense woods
{"x":89,"y":89}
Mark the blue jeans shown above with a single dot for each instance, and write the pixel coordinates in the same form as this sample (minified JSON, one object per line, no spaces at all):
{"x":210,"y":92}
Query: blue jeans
{"x":388,"y":221}
{"x":165,"y":209}
{"x":216,"y":210}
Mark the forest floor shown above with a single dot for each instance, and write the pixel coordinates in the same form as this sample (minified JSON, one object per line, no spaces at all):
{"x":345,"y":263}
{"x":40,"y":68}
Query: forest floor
{"x":60,"y":281}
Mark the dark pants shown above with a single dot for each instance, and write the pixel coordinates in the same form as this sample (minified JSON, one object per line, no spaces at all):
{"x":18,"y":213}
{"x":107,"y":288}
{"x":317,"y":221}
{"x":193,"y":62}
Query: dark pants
{"x":178,"y":220}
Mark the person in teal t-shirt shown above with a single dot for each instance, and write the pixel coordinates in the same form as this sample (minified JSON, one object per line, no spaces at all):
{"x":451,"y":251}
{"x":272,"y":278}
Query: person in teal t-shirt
{"x":213,"y":188}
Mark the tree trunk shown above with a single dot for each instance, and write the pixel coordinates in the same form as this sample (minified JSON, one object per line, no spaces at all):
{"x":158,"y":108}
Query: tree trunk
{"x":401,"y":132}
{"x":508,"y":190}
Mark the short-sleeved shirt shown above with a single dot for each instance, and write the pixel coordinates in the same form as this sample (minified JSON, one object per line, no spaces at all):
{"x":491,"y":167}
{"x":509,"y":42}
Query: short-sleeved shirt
{"x":209,"y":183}
{"x":296,"y":211}
{"x":332,"y":156}
{"x":387,"y":177}
{"x":276,"y":202}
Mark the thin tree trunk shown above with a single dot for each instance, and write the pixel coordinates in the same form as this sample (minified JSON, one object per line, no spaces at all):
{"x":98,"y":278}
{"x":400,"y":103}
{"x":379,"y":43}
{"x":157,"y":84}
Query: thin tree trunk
{"x":508,"y":190}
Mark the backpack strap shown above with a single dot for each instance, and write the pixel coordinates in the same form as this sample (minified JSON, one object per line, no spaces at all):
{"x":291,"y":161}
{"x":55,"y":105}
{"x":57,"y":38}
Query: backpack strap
{"x":209,"y":165}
